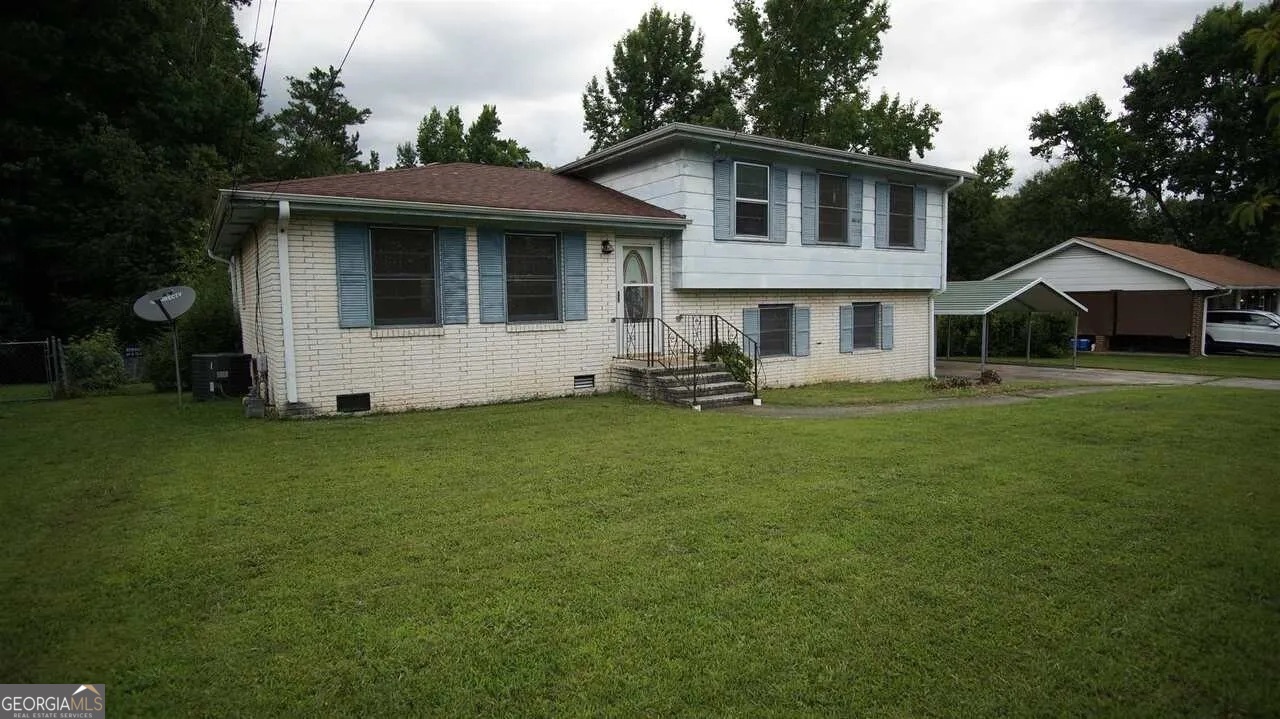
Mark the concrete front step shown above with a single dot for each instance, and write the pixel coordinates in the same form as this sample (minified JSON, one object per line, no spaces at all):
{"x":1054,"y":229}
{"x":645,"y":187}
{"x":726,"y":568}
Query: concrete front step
{"x":709,"y":389}
{"x":668,"y":380}
{"x":720,"y":400}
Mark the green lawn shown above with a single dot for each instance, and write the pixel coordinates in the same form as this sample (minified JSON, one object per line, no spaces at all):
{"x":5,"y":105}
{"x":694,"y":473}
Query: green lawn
{"x":831,"y":394}
{"x":1219,"y":365}
{"x":20,"y":392}
{"x":1103,"y":555}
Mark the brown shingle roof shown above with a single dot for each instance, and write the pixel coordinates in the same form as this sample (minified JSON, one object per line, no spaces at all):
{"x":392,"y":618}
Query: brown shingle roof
{"x":462,"y":183}
{"x":1221,"y":270}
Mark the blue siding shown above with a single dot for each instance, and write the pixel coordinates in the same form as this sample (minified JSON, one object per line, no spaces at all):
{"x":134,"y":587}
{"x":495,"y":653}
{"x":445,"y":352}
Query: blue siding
{"x":778,"y":205}
{"x":491,"y":261}
{"x":351,"y":250}
{"x":808,"y":208}
{"x":573,"y":258}
{"x":722,"y":201}
{"x":453,"y":275}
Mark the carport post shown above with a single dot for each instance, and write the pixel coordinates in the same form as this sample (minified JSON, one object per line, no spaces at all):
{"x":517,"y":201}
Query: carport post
{"x":1028,"y":339}
{"x":947,"y":319}
{"x":983,"y":363}
{"x":1075,"y":343}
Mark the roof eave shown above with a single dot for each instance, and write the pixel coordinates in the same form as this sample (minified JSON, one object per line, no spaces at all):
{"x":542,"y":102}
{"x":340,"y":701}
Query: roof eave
{"x":366,"y":206}
{"x":653,"y":138}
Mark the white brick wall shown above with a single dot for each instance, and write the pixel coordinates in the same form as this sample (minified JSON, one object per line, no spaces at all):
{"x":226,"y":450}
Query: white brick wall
{"x":479,"y":363}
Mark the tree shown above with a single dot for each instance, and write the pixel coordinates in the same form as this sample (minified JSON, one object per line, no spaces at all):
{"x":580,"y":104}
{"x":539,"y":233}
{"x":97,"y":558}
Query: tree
{"x":441,"y":139}
{"x":406,"y":156}
{"x":314,"y":127}
{"x":375,"y":162}
{"x":1191,"y":140}
{"x":975,"y":219}
{"x":656,"y":78}
{"x":1264,"y":43}
{"x":120,"y":121}
{"x":801,"y":71}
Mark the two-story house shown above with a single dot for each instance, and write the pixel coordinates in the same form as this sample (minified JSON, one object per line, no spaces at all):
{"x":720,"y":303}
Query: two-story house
{"x":457,"y":284}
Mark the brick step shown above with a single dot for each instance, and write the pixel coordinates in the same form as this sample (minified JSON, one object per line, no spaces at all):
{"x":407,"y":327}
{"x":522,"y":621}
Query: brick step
{"x":710,"y":389}
{"x":668,"y":380}
{"x":720,"y":400}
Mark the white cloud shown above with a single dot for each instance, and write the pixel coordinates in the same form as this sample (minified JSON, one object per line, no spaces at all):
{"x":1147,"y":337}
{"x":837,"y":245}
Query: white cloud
{"x":988,"y":66}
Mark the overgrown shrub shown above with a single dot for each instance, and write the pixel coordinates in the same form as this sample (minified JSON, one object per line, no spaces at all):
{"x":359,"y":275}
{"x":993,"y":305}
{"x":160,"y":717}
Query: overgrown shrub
{"x":989,"y":376}
{"x":945,"y":382}
{"x":729,"y":354}
{"x":94,"y":363}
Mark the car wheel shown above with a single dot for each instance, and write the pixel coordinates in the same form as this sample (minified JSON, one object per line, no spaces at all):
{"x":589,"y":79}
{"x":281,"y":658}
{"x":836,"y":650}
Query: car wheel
{"x":1210,"y":347}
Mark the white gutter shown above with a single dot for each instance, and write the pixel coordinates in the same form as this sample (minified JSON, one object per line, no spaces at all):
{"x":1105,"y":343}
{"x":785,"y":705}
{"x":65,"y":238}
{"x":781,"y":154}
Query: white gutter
{"x":286,"y":303}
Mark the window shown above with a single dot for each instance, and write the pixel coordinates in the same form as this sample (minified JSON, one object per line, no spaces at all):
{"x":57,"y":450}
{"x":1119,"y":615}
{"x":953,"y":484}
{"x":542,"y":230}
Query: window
{"x":833,"y":208}
{"x":404,"y":275}
{"x":902,"y":215}
{"x":751,"y":194}
{"x":865,"y":325}
{"x":532,"y":292}
{"x":775,"y":330}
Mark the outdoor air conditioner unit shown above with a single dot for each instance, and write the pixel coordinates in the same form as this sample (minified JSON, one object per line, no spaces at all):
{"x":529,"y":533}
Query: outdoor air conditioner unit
{"x":222,"y":374}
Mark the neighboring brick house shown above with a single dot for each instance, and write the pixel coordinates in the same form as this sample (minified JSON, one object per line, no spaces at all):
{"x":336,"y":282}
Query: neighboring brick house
{"x":1144,"y":295}
{"x":457,"y":284}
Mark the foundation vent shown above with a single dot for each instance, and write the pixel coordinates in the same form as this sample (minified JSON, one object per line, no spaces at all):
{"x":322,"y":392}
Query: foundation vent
{"x":584,"y":382}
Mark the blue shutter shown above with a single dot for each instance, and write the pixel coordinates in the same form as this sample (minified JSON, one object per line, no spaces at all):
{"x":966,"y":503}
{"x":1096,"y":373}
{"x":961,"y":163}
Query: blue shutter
{"x":722,"y":200}
{"x":882,"y":215}
{"x":846,"y":328}
{"x":351,"y":255}
{"x":778,"y":205}
{"x":453,"y":275}
{"x":573,"y":263}
{"x":491,"y":261}
{"x":917,"y":234}
{"x":886,"y":326}
{"x":800,"y":331}
{"x":808,"y":208}
{"x":751,"y":328}
{"x":855,"y":212}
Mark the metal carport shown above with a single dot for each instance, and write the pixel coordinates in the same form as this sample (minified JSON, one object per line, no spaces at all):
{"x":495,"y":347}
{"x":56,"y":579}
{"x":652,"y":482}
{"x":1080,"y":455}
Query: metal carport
{"x":982,"y":297}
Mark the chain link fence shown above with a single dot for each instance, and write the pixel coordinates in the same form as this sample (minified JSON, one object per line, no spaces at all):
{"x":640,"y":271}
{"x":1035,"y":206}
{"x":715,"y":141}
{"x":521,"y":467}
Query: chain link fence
{"x":30,"y":370}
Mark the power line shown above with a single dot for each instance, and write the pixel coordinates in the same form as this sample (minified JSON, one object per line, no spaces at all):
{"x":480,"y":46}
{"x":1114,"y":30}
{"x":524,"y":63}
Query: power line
{"x":354,"y":37}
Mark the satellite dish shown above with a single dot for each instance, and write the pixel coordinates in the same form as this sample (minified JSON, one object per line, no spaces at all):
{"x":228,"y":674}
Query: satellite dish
{"x":165,"y":304}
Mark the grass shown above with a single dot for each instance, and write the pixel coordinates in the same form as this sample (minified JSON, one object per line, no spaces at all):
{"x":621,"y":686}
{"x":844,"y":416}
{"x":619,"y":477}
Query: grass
{"x":1216,"y":365}
{"x":1103,"y":555}
{"x":832,"y":394}
{"x":20,"y":392}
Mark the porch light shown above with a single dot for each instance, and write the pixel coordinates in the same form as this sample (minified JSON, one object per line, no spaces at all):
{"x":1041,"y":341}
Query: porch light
{"x":606,"y":247}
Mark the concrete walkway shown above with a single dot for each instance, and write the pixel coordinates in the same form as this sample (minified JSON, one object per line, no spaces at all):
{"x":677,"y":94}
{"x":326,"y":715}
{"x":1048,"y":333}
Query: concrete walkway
{"x":1093,"y":381}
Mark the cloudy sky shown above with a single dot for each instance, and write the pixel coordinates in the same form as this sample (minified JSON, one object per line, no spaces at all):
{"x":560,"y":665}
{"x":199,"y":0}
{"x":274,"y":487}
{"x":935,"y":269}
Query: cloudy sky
{"x":987,"y":65}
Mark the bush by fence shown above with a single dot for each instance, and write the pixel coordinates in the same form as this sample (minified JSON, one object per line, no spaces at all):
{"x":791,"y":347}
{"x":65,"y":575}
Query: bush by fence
{"x":94,"y":363}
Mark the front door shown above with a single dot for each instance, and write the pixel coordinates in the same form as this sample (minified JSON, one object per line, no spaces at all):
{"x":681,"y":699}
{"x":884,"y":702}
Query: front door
{"x":639,"y":297}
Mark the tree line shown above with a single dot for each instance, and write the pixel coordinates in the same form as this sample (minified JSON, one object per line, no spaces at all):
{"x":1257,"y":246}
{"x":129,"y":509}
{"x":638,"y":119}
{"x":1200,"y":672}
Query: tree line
{"x":120,"y":120}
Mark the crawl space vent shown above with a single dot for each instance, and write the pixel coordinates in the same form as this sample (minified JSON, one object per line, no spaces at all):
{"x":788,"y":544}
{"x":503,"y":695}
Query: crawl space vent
{"x":353,"y":402}
{"x":584,"y":382}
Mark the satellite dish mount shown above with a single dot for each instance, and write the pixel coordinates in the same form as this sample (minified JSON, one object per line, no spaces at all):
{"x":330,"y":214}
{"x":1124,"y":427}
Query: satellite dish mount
{"x":167,"y":304}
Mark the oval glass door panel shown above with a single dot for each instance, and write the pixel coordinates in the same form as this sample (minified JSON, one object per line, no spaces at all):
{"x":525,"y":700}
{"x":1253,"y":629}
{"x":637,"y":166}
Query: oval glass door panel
{"x":637,"y":282}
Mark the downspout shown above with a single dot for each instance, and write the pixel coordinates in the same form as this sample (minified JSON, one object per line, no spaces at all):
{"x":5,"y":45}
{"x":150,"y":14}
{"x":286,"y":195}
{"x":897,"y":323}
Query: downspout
{"x":286,"y":304}
{"x":1204,"y":321}
{"x":933,"y":320}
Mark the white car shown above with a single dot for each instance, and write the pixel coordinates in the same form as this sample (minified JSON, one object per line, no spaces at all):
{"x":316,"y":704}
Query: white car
{"x":1243,"y":329}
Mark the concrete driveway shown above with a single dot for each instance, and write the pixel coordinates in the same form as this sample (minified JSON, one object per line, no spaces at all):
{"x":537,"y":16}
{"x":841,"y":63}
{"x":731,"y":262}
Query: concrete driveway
{"x":1101,"y":376}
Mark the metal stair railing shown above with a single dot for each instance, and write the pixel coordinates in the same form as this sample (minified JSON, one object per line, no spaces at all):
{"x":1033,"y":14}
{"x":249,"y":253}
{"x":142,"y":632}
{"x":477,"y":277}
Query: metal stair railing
{"x":652,"y":341}
{"x":704,"y":330}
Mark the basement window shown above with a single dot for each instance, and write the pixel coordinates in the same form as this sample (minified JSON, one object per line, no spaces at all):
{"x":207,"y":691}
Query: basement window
{"x":348,"y":403}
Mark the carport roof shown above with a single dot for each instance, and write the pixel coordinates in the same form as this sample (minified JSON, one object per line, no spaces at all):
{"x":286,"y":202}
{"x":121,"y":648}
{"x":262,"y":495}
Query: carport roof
{"x":981,"y":297}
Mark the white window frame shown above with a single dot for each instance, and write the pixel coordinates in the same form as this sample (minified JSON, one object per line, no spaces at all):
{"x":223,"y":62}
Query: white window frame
{"x":768,"y":177}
